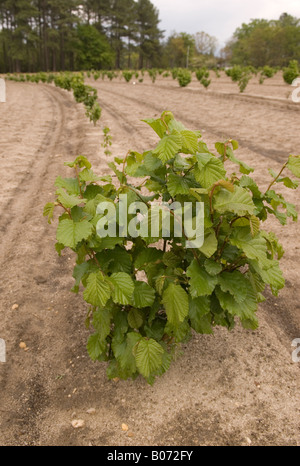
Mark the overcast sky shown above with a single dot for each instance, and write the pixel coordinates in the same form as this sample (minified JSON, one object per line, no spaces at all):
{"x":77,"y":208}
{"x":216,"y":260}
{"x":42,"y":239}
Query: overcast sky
{"x":219,"y":18}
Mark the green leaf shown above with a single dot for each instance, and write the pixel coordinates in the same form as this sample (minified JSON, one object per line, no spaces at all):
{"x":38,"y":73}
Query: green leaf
{"x":88,"y":176}
{"x":199,"y":314}
{"x":291,"y":184}
{"x":253,"y":248}
{"x":143,"y":295}
{"x":271,"y":274}
{"x":59,"y":247}
{"x":235,"y":144}
{"x":178,"y":185}
{"x":121,"y":177}
{"x":71,"y":185}
{"x":201,"y":283}
{"x":167,"y":147}
{"x":235,"y":283}
{"x":171,"y":259}
{"x":120,"y":323}
{"x":294,"y":165}
{"x":123,"y":351}
{"x":80,"y":161}
{"x":244,"y":310}
{"x":248,"y":182}
{"x":240,"y":202}
{"x":210,"y":244}
{"x":82,"y":270}
{"x":102,"y":322}
{"x":147,"y":256}
{"x":49,"y":211}
{"x":118,"y":260}
{"x":68,"y":200}
{"x":135,"y":318}
{"x":176,"y":303}
{"x":157,"y":126}
{"x":148,"y":356}
{"x":209,"y":170}
{"x":97,"y":291}
{"x":123,"y":288}
{"x":189,"y":141}
{"x":152,"y":163}
{"x":70,"y":233}
{"x":96,"y":346}
{"x":180,"y":332}
{"x":212,"y":267}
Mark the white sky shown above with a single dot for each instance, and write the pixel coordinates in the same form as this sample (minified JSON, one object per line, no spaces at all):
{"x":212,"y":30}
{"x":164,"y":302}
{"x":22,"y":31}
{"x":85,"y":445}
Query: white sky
{"x":219,"y":18}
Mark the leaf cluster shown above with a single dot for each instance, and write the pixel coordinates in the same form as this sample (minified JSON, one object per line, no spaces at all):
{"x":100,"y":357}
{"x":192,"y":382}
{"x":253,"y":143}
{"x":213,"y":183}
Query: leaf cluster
{"x":146,"y":295}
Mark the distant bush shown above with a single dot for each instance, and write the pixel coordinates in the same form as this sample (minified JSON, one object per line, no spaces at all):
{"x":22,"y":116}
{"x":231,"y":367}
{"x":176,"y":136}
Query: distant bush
{"x":291,"y":72}
{"x":184,"y":77}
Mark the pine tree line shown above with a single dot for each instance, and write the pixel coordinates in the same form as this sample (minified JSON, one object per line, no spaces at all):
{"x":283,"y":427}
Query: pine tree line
{"x":54,"y":35}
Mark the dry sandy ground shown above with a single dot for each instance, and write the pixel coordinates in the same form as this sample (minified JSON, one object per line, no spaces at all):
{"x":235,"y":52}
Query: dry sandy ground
{"x":238,"y":388}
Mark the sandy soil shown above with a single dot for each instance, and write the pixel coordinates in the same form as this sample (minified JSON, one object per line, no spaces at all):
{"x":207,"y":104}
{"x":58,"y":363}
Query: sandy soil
{"x":238,"y":388}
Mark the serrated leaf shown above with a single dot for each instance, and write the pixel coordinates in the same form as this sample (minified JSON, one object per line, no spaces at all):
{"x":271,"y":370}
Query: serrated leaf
{"x":148,"y":256}
{"x":271,"y":274}
{"x":199,"y":310}
{"x":294,"y":165}
{"x":226,"y":185}
{"x":123,"y":351}
{"x":189,"y":142}
{"x":170,"y":259}
{"x":179,"y":333}
{"x":176,"y":303}
{"x":148,"y":356}
{"x":157,"y":126}
{"x":120,"y":323}
{"x":97,"y":291}
{"x":210,"y":244}
{"x":212,"y":267}
{"x":168,"y":147}
{"x":209,"y":170}
{"x":88,"y":176}
{"x":143,"y":295}
{"x":70,"y":233}
{"x":201,"y":283}
{"x":152,"y":163}
{"x":248,"y":182}
{"x":240,"y":202}
{"x":178,"y":185}
{"x":235,"y":283}
{"x":135,"y":318}
{"x":80,"y":271}
{"x":95,"y":346}
{"x":81,"y":161}
{"x":181,"y":163}
{"x":102,"y":322}
{"x":220,"y":147}
{"x":123,"y":288}
{"x":68,"y":200}
{"x":49,"y":211}
{"x":253,"y":248}
{"x":254,"y":223}
{"x":246,"y":310}
{"x":71,"y":185}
